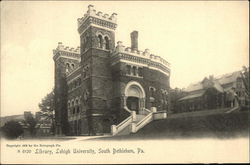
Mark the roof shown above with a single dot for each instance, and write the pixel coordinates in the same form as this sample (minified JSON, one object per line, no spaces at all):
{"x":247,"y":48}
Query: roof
{"x":197,"y":89}
{"x":228,"y":78}
{"x":219,"y":80}
{"x":193,"y":96}
{"x":218,"y":86}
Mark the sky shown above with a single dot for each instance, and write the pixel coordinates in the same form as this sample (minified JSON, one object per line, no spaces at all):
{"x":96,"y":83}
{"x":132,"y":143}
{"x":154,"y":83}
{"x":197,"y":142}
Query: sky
{"x":198,"y":38}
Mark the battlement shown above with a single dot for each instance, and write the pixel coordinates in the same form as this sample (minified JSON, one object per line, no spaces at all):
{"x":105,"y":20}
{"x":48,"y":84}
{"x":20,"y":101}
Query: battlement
{"x":142,"y":54}
{"x":66,"y":51}
{"x":100,"y":15}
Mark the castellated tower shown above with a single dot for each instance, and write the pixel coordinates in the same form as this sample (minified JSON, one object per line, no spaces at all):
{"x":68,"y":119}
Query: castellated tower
{"x":101,"y":88}
{"x":97,"y":39}
{"x":65,"y":59}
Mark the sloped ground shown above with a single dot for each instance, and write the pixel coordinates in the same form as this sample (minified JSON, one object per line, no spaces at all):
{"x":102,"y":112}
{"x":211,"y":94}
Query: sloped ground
{"x":215,"y":125}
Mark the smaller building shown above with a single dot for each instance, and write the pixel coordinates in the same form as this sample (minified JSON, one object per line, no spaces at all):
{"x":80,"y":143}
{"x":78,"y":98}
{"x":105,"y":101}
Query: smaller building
{"x":44,"y":125}
{"x":223,"y":91}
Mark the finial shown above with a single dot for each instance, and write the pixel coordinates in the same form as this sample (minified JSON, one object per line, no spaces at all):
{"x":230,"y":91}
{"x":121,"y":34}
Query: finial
{"x":91,"y":9}
{"x":106,"y":16}
{"x":99,"y":13}
{"x":119,"y":43}
{"x":60,"y":45}
{"x":113,"y":17}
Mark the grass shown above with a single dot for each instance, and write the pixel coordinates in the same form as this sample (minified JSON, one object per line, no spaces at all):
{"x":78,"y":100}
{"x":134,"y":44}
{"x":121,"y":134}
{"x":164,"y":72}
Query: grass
{"x":231,"y":125}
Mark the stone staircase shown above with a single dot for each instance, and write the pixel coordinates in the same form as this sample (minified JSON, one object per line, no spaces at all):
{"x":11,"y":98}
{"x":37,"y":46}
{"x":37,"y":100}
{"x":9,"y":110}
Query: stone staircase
{"x":233,"y":109}
{"x":136,"y":121}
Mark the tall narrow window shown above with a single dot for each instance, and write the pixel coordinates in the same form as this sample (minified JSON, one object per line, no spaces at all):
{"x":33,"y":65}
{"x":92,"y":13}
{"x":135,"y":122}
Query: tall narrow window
{"x":106,"y":42}
{"x":79,"y":81}
{"x":140,"y":72}
{"x":128,"y":69}
{"x":75,"y":84}
{"x":73,"y":66}
{"x":100,"y":41}
{"x":134,"y":70}
{"x":67,"y":67}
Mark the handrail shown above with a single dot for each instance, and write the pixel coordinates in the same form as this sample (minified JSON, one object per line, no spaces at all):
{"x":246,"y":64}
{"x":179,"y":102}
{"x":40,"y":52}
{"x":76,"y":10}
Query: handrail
{"x":126,"y":108}
{"x":124,"y":121}
{"x":147,"y":110}
{"x":144,"y":120}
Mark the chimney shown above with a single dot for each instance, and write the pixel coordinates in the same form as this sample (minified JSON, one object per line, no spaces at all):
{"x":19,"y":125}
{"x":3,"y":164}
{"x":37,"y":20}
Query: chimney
{"x":134,"y":40}
{"x":211,"y":77}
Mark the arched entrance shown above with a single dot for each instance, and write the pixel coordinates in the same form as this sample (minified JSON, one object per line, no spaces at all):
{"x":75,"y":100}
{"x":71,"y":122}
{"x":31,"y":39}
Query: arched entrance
{"x":134,"y":96}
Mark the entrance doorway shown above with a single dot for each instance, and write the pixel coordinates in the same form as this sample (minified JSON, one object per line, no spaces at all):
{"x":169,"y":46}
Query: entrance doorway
{"x":134,"y":97}
{"x":133,"y":104}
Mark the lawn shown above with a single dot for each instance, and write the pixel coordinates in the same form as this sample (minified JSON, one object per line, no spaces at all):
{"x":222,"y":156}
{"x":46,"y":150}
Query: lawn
{"x":218,"y":125}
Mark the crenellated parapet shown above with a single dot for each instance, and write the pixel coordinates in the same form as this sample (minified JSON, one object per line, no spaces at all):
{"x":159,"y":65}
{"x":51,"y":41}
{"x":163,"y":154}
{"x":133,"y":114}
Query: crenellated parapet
{"x":67,"y":52}
{"x":145,"y":58}
{"x":92,"y":17}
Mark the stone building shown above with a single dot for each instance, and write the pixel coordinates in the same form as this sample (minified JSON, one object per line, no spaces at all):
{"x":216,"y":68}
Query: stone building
{"x":225,"y":91}
{"x":100,"y":83}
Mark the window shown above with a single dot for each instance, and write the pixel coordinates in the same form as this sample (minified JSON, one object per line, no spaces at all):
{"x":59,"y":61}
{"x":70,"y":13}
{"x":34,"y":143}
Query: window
{"x":134,"y":70}
{"x":151,"y":91}
{"x":100,"y":41}
{"x":78,"y":109}
{"x":140,"y":72}
{"x":75,"y":84}
{"x":128,"y":69}
{"x":67,"y":67}
{"x":73,"y":110}
{"x":73,"y":66}
{"x":106,"y":42}
{"x":79,"y":81}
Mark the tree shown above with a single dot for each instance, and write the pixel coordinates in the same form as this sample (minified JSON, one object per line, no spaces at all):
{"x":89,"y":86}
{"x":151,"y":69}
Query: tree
{"x":31,"y":122}
{"x":245,"y":73}
{"x":47,"y":108}
{"x":175,"y":95}
{"x":12,"y":129}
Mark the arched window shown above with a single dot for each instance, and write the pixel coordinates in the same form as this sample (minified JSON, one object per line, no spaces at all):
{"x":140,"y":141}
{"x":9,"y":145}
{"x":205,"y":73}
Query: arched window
{"x":67,"y":67}
{"x":106,"y":42}
{"x":73,"y":66}
{"x":100,"y":41}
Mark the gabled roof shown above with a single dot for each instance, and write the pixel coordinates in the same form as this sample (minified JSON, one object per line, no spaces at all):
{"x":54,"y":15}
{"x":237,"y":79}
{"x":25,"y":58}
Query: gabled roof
{"x":228,"y":78}
{"x":193,"y":96}
{"x":217,"y":86}
{"x":219,"y":81}
{"x":194,"y":87}
{"x":197,"y":89}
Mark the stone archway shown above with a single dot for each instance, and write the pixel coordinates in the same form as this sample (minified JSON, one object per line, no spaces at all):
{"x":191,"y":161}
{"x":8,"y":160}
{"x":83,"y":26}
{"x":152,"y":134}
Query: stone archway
{"x":134,"y":96}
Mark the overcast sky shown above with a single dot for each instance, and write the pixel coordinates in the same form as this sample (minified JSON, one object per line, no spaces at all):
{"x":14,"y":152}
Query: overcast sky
{"x":197,"y":38}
